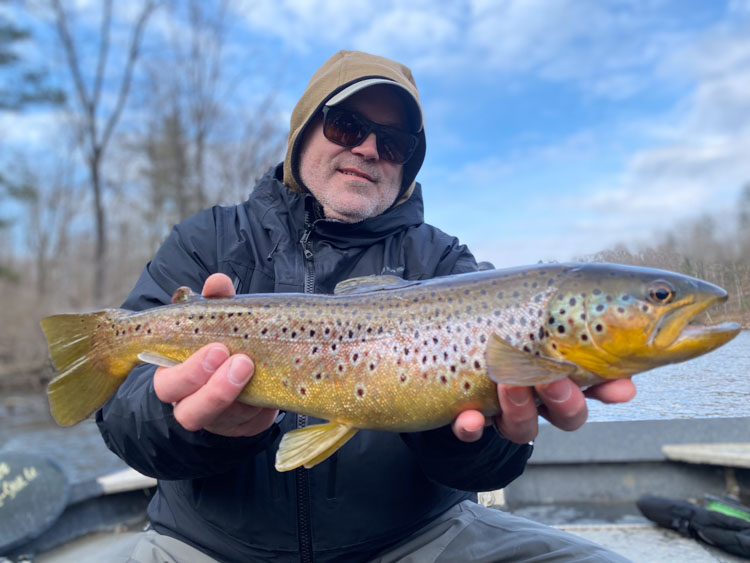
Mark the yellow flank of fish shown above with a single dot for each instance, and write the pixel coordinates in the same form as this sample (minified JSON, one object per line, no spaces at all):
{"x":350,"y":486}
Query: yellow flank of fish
{"x":388,"y":354}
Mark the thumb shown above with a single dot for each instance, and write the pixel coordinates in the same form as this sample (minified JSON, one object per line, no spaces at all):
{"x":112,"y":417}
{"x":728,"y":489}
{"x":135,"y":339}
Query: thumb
{"x":218,"y":285}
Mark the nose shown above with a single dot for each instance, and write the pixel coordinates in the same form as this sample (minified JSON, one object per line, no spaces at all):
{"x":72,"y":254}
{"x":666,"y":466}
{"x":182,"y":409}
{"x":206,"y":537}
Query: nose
{"x":368,"y":149}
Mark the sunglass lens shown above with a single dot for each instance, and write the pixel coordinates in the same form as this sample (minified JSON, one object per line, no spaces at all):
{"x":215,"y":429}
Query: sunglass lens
{"x":396,"y":146}
{"x":344,"y":128}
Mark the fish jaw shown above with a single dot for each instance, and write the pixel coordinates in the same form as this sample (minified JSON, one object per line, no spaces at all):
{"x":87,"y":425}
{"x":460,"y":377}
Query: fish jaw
{"x":695,"y":340}
{"x":671,"y":324}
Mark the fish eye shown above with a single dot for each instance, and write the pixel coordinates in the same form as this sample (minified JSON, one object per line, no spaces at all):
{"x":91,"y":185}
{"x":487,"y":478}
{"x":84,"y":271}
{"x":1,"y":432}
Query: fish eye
{"x":661,"y":293}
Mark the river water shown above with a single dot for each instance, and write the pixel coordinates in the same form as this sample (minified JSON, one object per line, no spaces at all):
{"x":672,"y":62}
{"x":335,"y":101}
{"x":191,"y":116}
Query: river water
{"x":715,"y":385}
{"x":710,"y":386}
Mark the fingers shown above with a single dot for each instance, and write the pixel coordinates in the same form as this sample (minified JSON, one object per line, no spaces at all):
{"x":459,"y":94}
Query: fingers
{"x":561,"y":402}
{"x":218,"y":285}
{"x":518,"y":418}
{"x":176,"y":383}
{"x":564,"y":404}
{"x":618,"y":391}
{"x":469,"y":425}
{"x":204,"y":406}
{"x":243,"y":420}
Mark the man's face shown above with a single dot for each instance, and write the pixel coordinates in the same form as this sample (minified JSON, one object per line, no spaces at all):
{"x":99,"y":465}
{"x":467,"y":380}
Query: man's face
{"x":353,"y":184}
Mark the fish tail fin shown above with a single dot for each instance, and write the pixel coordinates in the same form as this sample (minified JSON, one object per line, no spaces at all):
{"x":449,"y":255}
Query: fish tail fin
{"x":80,"y":387}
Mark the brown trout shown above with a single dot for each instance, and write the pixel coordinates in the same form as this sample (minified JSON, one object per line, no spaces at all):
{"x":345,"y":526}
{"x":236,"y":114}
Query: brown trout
{"x":388,"y":354}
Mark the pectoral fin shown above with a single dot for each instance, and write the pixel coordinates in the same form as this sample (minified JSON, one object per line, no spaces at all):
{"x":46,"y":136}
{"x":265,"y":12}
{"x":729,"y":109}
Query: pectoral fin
{"x":157,"y":359}
{"x":310,"y":445}
{"x":511,"y":366}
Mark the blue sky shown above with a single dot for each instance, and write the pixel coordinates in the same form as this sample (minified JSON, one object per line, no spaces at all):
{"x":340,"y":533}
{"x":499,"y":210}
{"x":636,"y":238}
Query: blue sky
{"x":555,"y":128}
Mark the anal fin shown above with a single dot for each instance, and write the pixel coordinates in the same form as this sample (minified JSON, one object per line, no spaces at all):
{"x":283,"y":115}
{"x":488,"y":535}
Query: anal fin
{"x":310,"y":445}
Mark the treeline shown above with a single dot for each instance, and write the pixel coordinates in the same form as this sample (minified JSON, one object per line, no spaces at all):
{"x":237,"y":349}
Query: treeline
{"x":713,"y":248}
{"x":147,"y":113}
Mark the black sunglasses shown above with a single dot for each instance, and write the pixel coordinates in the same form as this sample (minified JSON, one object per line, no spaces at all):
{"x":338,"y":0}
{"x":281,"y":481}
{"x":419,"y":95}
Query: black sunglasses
{"x":349,"y":129}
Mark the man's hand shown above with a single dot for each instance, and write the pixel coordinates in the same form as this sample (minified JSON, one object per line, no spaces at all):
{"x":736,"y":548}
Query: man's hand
{"x":563,"y":404}
{"x":204,"y":388}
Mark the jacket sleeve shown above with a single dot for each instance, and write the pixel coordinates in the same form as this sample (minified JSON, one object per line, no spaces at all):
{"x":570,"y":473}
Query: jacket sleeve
{"x":134,"y":423}
{"x":489,"y":463}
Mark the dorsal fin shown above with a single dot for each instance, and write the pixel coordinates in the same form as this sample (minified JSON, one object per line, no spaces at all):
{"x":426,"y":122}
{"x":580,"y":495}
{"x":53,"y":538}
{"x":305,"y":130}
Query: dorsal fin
{"x":365,"y":284}
{"x":184,"y":294}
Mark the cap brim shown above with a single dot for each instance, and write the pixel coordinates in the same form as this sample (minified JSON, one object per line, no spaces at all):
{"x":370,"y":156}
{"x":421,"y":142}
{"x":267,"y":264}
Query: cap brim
{"x":368,"y":82}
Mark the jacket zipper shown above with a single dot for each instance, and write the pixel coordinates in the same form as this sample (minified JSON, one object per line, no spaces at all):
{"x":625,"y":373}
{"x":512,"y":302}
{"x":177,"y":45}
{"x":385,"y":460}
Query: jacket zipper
{"x":302,"y":476}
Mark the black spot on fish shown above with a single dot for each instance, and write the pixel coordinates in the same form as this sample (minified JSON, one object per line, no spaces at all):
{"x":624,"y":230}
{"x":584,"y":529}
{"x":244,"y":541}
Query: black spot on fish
{"x":600,"y":308}
{"x":236,"y":329}
{"x":562,"y":311}
{"x":645,"y":308}
{"x":620,"y":310}
{"x":197,"y":331}
{"x":599,"y":328}
{"x":443,"y":379}
{"x":561,"y":329}
{"x":572,"y":302}
{"x":467,"y":385}
{"x":584,"y":337}
{"x":597,"y":292}
{"x":552,"y":320}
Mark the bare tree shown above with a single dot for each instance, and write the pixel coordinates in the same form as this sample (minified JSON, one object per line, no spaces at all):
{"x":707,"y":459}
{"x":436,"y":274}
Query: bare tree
{"x":202,"y":145}
{"x":94,"y":123}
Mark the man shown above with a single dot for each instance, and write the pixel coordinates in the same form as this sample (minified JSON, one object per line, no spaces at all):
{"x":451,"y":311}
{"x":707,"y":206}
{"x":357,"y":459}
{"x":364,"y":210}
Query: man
{"x":343,"y":204}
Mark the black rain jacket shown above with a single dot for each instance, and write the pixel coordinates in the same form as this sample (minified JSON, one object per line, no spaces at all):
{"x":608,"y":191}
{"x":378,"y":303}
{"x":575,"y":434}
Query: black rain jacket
{"x":223,"y":495}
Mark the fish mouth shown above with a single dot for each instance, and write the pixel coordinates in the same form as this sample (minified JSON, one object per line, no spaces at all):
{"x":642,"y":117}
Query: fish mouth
{"x":678,"y":336}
